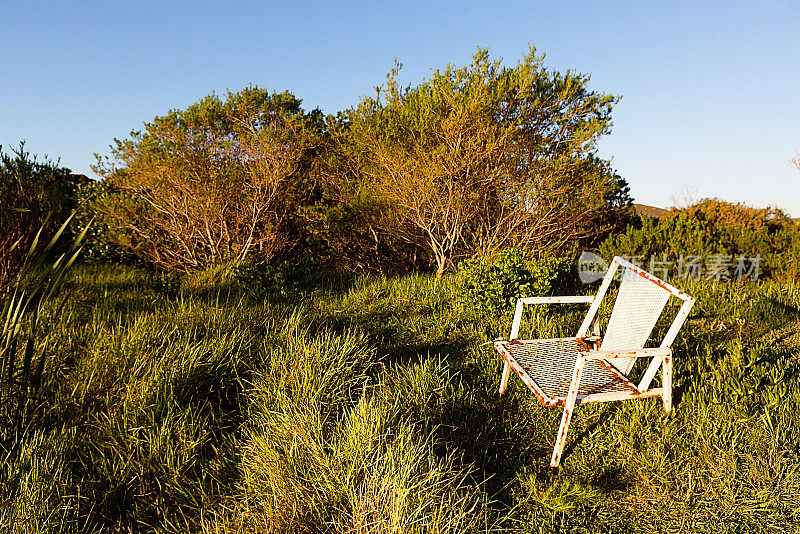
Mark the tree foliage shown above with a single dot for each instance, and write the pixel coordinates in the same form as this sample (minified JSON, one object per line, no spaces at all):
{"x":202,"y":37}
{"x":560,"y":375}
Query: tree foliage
{"x":487,"y":156}
{"x":213,"y":182}
{"x":35,"y":195}
{"x":714,"y":227}
{"x":472,"y":160}
{"x":344,"y":222}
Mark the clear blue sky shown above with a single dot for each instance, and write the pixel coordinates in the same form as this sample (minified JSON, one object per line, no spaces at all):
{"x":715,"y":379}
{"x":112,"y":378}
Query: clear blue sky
{"x":710,"y":90}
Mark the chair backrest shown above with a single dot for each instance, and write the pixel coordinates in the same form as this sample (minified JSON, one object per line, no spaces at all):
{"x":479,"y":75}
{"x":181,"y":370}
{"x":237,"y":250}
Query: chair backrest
{"x":639,"y":304}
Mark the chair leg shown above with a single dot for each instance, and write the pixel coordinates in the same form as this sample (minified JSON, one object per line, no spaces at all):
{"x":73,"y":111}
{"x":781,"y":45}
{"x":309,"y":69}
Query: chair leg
{"x":569,"y":407}
{"x":666,"y":375}
{"x":504,"y":379}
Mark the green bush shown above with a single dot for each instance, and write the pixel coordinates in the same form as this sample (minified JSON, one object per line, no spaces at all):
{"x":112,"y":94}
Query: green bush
{"x":104,"y":242}
{"x":713,"y":227}
{"x":263,"y":279}
{"x":35,"y":195}
{"x":551,"y":276}
{"x":493,"y":284}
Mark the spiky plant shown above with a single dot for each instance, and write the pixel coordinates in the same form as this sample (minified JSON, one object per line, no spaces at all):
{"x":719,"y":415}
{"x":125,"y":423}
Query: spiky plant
{"x":40,"y":278}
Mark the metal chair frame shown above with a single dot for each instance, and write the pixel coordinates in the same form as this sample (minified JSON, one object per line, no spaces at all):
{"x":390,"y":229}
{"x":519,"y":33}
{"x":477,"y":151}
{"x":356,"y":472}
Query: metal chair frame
{"x":598,"y":375}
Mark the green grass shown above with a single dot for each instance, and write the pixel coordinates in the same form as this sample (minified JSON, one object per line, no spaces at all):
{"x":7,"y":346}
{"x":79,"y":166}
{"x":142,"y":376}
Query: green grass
{"x":369,"y":404}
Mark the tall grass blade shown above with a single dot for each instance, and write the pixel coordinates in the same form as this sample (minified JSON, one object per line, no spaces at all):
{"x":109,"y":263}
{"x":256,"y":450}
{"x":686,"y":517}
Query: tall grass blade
{"x":33,"y":286}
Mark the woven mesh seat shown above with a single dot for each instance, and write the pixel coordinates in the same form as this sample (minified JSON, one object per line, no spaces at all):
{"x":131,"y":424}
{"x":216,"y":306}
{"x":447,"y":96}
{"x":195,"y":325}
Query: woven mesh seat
{"x":549,"y":364}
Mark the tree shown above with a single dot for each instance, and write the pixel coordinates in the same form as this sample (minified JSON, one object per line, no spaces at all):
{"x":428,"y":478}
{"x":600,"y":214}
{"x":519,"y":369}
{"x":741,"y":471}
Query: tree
{"x":34,"y":195}
{"x":486,"y":156}
{"x":213,"y":182}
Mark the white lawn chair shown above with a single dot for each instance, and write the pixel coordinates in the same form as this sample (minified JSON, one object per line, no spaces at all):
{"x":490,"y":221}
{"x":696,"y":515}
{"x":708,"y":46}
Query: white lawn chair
{"x":591,"y":368}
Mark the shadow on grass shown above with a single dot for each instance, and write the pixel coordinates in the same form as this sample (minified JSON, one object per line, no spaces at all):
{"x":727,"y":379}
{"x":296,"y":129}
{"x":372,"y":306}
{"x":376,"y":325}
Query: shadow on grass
{"x":407,"y":353}
{"x":502,"y":437}
{"x":576,"y":440}
{"x":289,"y":284}
{"x":395,"y":339}
{"x":791,"y":309}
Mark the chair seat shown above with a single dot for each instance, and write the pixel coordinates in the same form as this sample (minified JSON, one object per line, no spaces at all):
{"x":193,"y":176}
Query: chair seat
{"x":546,"y":366}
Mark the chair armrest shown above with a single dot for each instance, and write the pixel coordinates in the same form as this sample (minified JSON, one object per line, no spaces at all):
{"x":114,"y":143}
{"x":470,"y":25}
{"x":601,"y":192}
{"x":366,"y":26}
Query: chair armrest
{"x":640,"y":353}
{"x":522,"y":301}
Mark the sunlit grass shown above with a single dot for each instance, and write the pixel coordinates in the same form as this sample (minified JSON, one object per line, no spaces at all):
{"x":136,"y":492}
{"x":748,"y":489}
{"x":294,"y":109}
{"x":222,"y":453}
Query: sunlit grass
{"x":369,"y":405}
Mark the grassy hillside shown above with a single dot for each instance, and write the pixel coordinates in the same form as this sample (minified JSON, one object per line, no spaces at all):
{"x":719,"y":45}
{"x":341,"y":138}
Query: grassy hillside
{"x":368,"y":404}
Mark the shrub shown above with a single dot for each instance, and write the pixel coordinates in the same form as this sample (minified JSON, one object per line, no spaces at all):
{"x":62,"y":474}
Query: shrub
{"x":263,"y":279}
{"x":551,"y":276}
{"x":713,"y":227}
{"x":104,"y":242}
{"x":212,"y":183}
{"x":493,"y":284}
{"x":486,"y":156}
{"x":34,"y":196}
